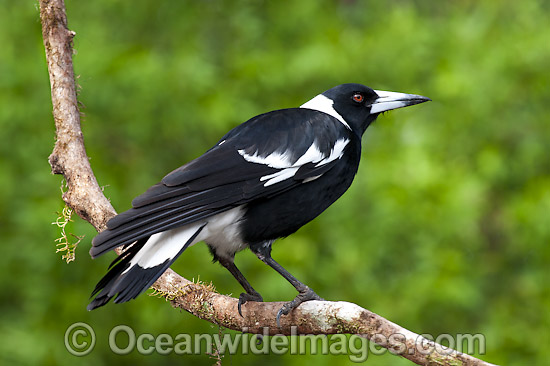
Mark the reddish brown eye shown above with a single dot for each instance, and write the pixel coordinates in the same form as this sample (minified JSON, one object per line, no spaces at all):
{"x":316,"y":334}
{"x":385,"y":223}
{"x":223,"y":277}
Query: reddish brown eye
{"x":358,"y":97}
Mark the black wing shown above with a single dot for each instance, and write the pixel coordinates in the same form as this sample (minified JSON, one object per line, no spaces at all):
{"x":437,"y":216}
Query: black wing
{"x":262,"y":157}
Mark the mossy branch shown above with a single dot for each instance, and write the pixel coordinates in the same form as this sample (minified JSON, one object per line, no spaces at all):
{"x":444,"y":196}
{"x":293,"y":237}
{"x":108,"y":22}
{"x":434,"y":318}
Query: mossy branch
{"x":86,"y":198}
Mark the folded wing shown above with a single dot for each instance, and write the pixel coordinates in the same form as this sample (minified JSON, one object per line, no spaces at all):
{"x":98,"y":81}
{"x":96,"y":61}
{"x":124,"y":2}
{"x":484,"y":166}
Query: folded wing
{"x":258,"y":159}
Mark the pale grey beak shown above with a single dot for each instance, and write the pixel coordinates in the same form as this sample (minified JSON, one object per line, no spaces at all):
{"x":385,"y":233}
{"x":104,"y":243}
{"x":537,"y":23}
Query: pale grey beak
{"x":391,"y":100}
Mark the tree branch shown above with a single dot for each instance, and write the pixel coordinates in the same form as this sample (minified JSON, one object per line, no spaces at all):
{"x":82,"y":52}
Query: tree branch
{"x":86,"y":197}
{"x":69,"y":155}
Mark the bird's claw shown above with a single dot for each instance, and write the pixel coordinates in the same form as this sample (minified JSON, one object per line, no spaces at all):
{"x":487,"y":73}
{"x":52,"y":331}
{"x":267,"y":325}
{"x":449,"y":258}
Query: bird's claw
{"x":304,"y":296}
{"x":245,"y":297}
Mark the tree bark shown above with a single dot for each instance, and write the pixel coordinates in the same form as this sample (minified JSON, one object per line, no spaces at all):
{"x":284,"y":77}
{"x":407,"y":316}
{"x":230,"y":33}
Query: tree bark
{"x":86,"y":198}
{"x":69,"y":154}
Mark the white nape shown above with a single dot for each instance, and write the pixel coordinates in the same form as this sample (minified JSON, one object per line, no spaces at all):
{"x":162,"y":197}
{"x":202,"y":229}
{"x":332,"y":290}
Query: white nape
{"x":324,"y":104}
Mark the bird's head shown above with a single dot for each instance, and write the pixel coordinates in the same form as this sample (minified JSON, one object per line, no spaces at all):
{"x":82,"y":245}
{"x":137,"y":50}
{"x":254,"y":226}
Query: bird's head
{"x":358,"y":106}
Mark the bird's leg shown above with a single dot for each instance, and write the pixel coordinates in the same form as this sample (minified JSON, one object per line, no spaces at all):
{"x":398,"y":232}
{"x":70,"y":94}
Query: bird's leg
{"x":263,"y":252}
{"x":251,"y":294}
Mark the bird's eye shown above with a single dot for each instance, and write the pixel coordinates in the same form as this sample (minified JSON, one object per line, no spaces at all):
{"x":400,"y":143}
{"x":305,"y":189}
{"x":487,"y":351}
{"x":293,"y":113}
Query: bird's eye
{"x":358,"y":97}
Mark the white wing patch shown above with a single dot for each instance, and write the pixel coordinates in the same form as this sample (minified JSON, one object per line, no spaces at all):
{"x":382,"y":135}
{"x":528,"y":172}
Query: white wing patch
{"x":273,"y":160}
{"x":326,"y":105}
{"x":279,"y":176}
{"x":312,"y":155}
{"x":336,"y":152}
{"x":288,"y":170}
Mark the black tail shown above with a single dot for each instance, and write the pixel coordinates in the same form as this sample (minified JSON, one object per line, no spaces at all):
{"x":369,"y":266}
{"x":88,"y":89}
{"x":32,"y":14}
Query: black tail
{"x":127,"y":282}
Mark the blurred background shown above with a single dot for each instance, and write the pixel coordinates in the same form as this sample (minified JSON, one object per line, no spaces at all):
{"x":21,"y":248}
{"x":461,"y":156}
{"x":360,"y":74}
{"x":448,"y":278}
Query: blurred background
{"x":446,"y":228}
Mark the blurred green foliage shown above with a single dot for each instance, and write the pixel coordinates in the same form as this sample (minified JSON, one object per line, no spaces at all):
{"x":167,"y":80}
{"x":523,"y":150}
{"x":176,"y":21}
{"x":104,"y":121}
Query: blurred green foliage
{"x":445,"y":230}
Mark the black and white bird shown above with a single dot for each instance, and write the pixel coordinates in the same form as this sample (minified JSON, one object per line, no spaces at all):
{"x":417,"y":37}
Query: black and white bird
{"x":263,"y":180}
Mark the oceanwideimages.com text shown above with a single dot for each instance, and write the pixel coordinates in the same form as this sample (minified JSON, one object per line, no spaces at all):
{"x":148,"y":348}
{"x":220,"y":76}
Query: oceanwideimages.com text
{"x":80,"y":340}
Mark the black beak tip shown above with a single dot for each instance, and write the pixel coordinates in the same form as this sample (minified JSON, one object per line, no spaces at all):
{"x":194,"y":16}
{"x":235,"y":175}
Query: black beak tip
{"x":422,"y":99}
{"x":417,"y":99}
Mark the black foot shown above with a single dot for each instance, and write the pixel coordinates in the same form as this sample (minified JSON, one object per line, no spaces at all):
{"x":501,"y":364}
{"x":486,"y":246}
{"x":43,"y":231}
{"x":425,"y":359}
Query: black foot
{"x":245,"y":297}
{"x":303,"y":296}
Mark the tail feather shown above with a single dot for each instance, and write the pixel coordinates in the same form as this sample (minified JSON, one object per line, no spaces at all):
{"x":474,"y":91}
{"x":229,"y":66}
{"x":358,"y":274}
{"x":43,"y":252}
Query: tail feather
{"x":142,"y":264}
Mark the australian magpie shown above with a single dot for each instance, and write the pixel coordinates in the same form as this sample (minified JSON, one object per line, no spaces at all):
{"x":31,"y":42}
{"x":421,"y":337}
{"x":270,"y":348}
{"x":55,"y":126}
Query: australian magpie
{"x":263,"y":180}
